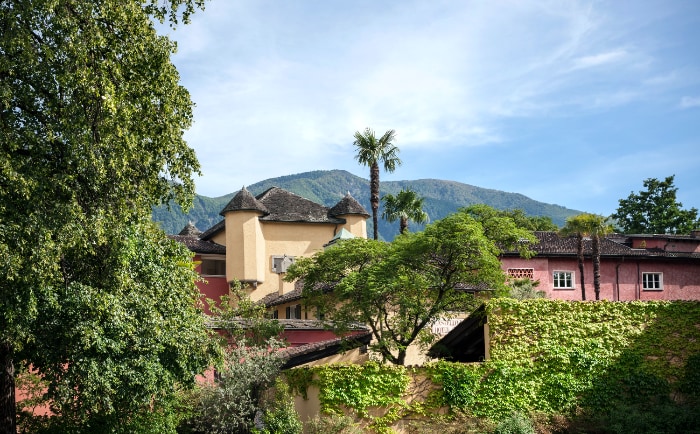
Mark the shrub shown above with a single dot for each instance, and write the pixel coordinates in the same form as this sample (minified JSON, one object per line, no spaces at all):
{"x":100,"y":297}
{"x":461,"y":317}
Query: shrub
{"x":332,"y":424}
{"x":280,"y":416}
{"x":516,"y":423}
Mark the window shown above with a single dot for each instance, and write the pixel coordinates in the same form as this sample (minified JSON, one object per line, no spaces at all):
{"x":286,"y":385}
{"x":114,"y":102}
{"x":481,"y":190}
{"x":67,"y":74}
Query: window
{"x":563,"y":279}
{"x":521,"y":273}
{"x":652,"y":281}
{"x":294,"y":312}
{"x":213,"y":267}
{"x":280,"y":263}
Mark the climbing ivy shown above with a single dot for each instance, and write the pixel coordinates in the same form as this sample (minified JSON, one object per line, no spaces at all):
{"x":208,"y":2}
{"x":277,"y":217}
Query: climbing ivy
{"x":555,"y":357}
{"x":551,"y":357}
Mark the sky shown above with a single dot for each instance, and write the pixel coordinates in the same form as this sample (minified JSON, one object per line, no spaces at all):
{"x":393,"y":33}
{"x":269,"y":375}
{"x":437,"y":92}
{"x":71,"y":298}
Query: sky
{"x":568,"y":102}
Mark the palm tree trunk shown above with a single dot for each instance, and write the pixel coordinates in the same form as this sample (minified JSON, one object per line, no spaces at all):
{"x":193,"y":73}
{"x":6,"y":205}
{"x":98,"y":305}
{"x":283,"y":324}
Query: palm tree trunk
{"x":403,"y":225}
{"x":596,"y":266}
{"x":374,"y":196}
{"x":580,"y":265}
{"x":8,"y":410}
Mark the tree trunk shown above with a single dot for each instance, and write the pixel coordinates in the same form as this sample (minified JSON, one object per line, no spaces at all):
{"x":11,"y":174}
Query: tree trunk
{"x":404,"y":225}
{"x":374,"y":196}
{"x":596,"y":266}
{"x":8,"y":410}
{"x":580,"y":265}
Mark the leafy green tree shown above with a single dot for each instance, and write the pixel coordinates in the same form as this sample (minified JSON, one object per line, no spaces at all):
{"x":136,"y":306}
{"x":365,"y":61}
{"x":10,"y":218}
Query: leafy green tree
{"x":405,"y":206}
{"x":91,"y":124}
{"x":655,"y":211}
{"x":115,"y":345}
{"x":531,"y":223}
{"x":371,"y":152}
{"x":400,"y":289}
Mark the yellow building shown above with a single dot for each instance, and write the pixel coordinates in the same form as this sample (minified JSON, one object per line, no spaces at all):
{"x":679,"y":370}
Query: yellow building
{"x":263,"y":235}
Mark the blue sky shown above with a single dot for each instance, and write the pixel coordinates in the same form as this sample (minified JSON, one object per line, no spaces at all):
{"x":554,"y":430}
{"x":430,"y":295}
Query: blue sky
{"x":567,"y":102}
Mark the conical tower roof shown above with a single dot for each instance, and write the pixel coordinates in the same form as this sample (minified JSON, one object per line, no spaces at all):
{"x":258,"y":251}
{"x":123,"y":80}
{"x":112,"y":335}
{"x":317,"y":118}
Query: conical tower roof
{"x":348,"y":205}
{"x":190,"y":230}
{"x":244,"y":201}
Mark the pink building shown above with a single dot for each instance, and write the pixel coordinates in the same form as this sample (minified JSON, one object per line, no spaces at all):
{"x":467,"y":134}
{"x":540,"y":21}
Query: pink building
{"x":632,"y":267}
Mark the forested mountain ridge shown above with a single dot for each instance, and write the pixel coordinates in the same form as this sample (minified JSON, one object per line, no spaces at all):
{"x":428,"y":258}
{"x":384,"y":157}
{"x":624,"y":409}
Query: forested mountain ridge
{"x":329,"y":186}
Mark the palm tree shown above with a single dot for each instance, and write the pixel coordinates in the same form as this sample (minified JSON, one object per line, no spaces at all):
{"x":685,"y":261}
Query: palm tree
{"x":405,"y":206}
{"x":370,"y":152}
{"x":583,"y":226}
{"x":598,"y":228}
{"x":576,"y":226}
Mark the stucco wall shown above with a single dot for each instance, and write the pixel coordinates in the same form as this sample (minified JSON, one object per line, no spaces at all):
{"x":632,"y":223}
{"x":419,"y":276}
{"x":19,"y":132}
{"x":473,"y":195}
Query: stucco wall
{"x":620,"y":279}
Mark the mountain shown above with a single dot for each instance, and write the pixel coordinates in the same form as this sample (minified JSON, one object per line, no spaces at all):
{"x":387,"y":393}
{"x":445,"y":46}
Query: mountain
{"x":329,"y":186}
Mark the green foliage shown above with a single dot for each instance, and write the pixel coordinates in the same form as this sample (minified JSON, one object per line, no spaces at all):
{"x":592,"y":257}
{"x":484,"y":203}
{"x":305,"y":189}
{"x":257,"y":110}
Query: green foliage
{"x":280,"y":415}
{"x":556,"y":357}
{"x":516,"y":423}
{"x":441,"y":198}
{"x":399,"y":289}
{"x":231,"y":402}
{"x":91,"y":136}
{"x":332,"y":424}
{"x":299,"y":380}
{"x":240,"y":318}
{"x":373,"y":152}
{"x":656,"y":211}
{"x":405,"y":206}
{"x":360,"y":387}
{"x":115,"y":346}
{"x":524,"y":289}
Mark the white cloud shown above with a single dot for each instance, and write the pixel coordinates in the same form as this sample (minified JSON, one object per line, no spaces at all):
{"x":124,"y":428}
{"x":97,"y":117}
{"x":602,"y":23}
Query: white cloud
{"x":599,"y":59}
{"x":689,"y":102}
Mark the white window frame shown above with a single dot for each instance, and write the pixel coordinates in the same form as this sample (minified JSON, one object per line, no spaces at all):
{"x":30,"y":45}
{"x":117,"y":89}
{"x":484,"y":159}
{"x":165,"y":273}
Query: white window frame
{"x":654,"y":282}
{"x":280,"y":263}
{"x":556,"y":280}
{"x":218,"y":258}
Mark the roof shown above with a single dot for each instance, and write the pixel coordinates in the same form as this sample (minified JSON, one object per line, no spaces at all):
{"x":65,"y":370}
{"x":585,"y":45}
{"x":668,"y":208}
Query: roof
{"x":190,"y":236}
{"x":197,"y":245}
{"x":465,"y":342}
{"x":614,"y":245}
{"x":190,"y":229}
{"x":285,"y":206}
{"x":244,"y":201}
{"x":348,"y":206}
{"x":343,"y":234}
{"x":274,"y":299}
{"x":318,"y":350}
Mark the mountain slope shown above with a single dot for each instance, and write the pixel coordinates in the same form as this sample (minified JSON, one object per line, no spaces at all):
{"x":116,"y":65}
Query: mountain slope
{"x":329,"y":186}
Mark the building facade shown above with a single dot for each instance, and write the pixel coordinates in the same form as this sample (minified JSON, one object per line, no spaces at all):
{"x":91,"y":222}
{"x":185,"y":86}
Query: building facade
{"x":632,"y":267}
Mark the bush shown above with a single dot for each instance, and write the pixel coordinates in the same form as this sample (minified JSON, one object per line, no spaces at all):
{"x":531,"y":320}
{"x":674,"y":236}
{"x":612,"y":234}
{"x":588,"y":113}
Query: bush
{"x":280,"y":416}
{"x":332,"y":424}
{"x":516,"y":423}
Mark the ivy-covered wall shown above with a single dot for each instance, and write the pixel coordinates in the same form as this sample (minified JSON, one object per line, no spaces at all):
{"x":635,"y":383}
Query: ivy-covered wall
{"x":556,"y":356}
{"x":547,"y":356}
